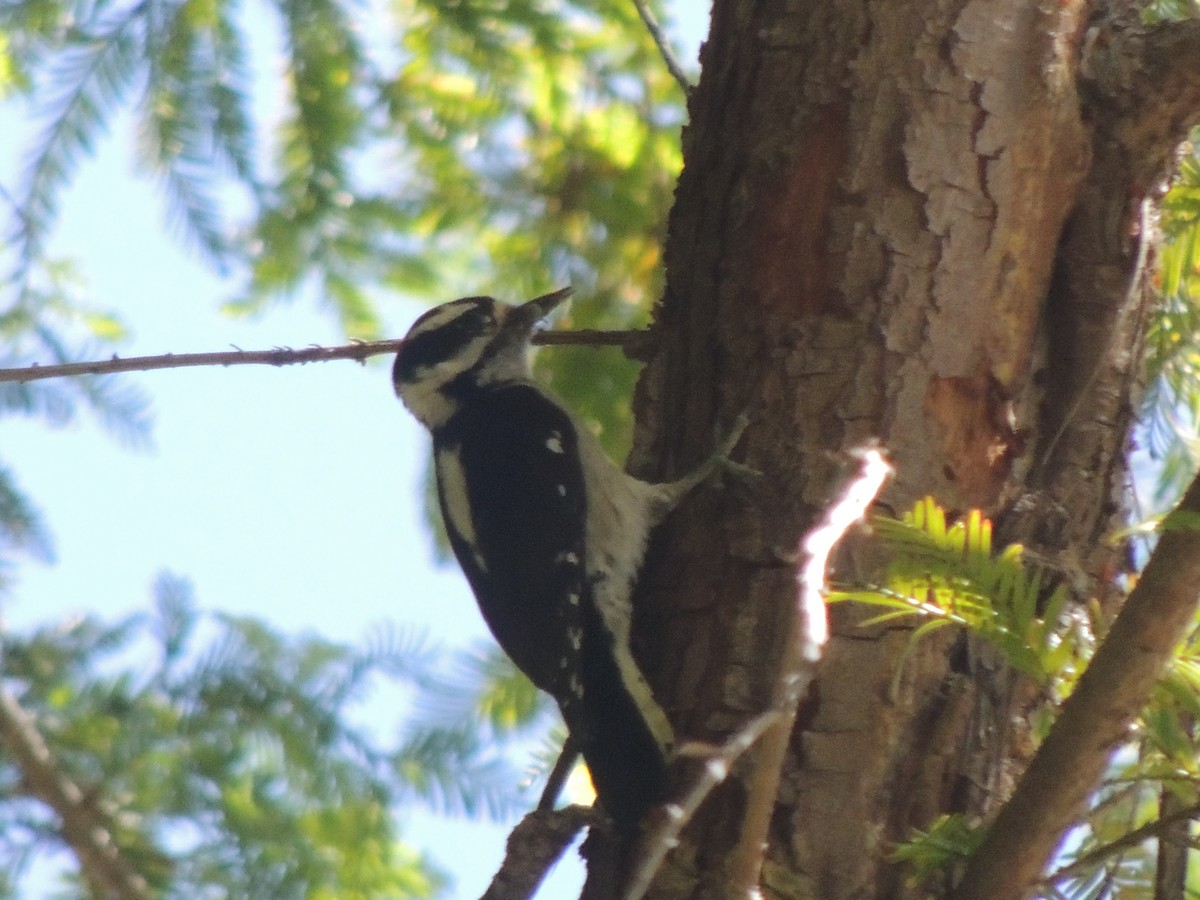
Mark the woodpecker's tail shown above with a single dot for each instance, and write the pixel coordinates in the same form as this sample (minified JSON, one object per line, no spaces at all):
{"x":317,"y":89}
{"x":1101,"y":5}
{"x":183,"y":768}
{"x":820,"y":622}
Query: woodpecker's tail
{"x":627,"y":761}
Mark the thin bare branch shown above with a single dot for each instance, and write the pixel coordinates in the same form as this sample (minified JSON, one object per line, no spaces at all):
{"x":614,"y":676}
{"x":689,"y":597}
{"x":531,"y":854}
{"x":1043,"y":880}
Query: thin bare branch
{"x":1174,"y":835}
{"x":586,"y":337}
{"x":286,"y":356}
{"x":663,"y":45}
{"x":1095,"y":719}
{"x":1138,"y":836}
{"x":563,"y":766}
{"x":533,"y":847}
{"x":85,"y":828}
{"x":770,"y":730}
{"x":278,"y":356}
{"x":664,"y":825}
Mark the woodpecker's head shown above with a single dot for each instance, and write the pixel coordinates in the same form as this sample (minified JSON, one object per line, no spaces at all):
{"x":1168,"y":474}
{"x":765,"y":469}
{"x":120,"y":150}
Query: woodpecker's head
{"x":476,"y":337}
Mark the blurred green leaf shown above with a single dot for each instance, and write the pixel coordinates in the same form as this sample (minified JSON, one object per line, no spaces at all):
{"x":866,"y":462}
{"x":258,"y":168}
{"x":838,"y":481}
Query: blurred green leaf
{"x":228,"y":763}
{"x":439,"y":150}
{"x":948,"y":841}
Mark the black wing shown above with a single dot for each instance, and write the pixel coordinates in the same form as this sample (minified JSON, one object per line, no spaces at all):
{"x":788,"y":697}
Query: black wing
{"x":522,"y":546}
{"x":511,"y":456}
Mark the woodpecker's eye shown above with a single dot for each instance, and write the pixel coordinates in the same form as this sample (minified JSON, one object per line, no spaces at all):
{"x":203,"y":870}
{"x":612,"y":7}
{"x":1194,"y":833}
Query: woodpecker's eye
{"x":442,"y":334}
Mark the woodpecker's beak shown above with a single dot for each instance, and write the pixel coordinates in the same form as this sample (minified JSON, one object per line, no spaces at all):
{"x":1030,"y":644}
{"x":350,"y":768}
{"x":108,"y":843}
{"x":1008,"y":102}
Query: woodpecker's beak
{"x":527,"y":315}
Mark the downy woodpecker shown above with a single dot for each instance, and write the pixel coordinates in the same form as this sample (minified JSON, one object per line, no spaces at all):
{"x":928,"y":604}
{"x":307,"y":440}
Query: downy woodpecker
{"x":549,"y":532}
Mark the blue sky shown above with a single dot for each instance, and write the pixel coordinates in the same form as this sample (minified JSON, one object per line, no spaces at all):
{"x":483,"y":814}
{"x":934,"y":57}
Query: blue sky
{"x":292,"y":494}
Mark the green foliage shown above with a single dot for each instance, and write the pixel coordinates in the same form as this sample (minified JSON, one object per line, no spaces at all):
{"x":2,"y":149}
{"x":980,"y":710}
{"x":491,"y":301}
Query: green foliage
{"x":948,"y":842}
{"x":225,"y":754}
{"x":1101,"y":860}
{"x":21,"y":526}
{"x":10,"y":80}
{"x":1171,"y":407}
{"x":950,"y":575}
{"x":431,"y":149}
{"x":451,"y":756}
{"x":1168,"y":11}
{"x":52,"y":323}
{"x":423,"y":148}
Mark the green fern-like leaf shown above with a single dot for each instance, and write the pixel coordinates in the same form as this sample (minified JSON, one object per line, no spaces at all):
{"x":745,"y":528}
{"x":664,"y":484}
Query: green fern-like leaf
{"x":457,"y":772}
{"x":89,"y":80}
{"x":1171,"y":404}
{"x":951,"y":574}
{"x":948,"y":841}
{"x":21,"y":526}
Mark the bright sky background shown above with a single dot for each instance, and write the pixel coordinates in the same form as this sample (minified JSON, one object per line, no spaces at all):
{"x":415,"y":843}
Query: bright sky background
{"x":291,"y":494}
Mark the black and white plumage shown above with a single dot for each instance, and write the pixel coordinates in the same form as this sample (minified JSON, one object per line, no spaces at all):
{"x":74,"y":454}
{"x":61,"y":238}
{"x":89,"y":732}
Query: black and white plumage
{"x":549,"y":532}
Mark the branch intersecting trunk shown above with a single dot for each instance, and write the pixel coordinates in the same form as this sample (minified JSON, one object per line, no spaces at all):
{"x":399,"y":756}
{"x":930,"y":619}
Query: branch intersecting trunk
{"x":1096,"y":717}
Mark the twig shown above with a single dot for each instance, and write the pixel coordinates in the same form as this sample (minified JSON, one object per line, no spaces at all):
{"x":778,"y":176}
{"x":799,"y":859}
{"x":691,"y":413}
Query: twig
{"x":563,"y":767}
{"x":662,"y":834}
{"x":1126,"y":842}
{"x":285,"y":356}
{"x":533,"y":847}
{"x":85,"y":829}
{"x":664,"y":48}
{"x":278,"y":356}
{"x":774,"y":726}
{"x":1174,"y":842}
{"x":590,"y":337}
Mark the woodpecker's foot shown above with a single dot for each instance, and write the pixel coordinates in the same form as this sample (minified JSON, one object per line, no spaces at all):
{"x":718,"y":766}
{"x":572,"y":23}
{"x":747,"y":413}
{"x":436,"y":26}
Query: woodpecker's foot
{"x":720,"y":458}
{"x":725,"y":447}
{"x":671,"y":493}
{"x":738,"y":470}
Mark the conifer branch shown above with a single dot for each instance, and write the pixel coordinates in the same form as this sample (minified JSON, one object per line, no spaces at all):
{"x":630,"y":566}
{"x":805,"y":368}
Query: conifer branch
{"x":286,"y":356}
{"x":84,"y":827}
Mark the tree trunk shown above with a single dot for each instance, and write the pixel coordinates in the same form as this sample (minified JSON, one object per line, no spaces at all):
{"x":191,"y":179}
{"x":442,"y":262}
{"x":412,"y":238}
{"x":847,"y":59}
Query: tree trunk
{"x":925,"y":223}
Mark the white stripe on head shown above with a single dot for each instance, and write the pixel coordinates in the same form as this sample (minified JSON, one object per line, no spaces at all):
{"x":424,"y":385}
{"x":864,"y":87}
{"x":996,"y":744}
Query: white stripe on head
{"x":448,"y":312}
{"x":454,"y":338}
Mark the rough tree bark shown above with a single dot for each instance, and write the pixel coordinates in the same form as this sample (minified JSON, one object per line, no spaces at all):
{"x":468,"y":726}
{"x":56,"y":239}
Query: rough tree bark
{"x":927,"y":222}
